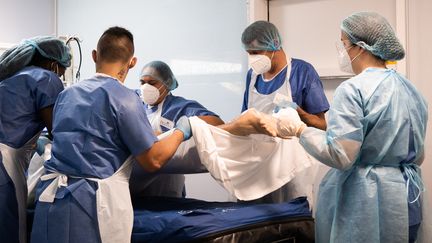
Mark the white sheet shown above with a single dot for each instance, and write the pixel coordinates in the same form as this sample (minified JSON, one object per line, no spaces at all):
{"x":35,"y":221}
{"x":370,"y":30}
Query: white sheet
{"x":250,"y":167}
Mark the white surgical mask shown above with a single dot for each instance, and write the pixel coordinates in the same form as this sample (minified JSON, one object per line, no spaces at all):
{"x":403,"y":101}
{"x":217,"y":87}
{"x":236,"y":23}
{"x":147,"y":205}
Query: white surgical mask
{"x":345,"y":63}
{"x":260,"y":63}
{"x":150,"y":94}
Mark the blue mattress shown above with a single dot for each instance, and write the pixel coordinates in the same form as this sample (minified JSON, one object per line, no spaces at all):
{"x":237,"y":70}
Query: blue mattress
{"x":190,"y":220}
{"x":177,"y":220}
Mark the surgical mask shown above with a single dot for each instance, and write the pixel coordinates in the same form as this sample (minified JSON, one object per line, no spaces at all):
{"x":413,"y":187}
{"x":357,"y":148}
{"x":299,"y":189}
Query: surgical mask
{"x":260,"y":63}
{"x":150,"y":94}
{"x":345,"y":63}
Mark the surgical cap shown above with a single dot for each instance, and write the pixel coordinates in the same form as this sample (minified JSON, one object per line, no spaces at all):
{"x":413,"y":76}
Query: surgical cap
{"x":160,"y":71}
{"x":372,"y":32}
{"x":261,"y":36}
{"x":18,"y":57}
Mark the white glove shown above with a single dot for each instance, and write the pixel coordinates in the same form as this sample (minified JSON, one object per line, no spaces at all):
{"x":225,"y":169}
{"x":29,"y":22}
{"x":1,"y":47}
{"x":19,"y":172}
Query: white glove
{"x":289,"y":123}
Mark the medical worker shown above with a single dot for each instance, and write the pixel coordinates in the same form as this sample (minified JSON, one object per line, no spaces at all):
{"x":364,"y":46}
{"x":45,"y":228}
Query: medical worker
{"x":100,"y":128}
{"x":374,"y":142}
{"x":29,"y":86}
{"x":274,"y":77}
{"x":163,"y":110}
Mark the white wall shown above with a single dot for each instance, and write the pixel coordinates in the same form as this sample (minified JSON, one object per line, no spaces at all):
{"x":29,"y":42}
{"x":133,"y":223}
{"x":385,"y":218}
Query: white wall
{"x":22,"y":19}
{"x":310,"y":28}
{"x":419,"y":53}
{"x":257,"y":10}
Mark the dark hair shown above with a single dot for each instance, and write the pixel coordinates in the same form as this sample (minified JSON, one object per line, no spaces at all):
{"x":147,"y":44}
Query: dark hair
{"x":116,"y":44}
{"x":41,"y":61}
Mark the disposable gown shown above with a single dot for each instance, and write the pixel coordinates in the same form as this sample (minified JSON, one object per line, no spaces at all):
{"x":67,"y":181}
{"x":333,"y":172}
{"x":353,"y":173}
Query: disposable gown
{"x":374,"y":142}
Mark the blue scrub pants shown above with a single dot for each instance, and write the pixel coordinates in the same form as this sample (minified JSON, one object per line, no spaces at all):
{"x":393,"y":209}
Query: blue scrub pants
{"x":66,"y":220}
{"x":413,"y":230}
{"x":9,"y":225}
{"x":414,"y":212}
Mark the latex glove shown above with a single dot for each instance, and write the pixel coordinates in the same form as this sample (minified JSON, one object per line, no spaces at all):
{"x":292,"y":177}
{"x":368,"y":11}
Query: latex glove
{"x":289,"y":123}
{"x":41,"y":144}
{"x":285,"y":104}
{"x":184,"y":126}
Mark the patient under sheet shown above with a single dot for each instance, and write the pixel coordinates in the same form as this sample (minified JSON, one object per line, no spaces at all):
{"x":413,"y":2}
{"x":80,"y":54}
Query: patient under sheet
{"x":252,"y":166}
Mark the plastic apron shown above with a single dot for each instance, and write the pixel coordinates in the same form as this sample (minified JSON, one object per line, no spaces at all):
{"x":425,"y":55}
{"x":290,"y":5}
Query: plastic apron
{"x":302,"y":184}
{"x":155,"y":118}
{"x":265,"y":102}
{"x":113,"y":202}
{"x":166,"y":185}
{"x":16,"y":162}
{"x":35,"y":170}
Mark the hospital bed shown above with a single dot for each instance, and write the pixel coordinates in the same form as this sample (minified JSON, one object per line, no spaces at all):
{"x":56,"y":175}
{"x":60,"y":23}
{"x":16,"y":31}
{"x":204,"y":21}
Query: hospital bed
{"x":189,"y":220}
{"x":159,"y":219}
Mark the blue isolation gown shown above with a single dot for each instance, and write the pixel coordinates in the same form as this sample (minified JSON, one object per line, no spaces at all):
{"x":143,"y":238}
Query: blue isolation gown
{"x":97,"y":124}
{"x":374,"y":141}
{"x":168,"y":185}
{"x":22,"y":96}
{"x":306,"y":87}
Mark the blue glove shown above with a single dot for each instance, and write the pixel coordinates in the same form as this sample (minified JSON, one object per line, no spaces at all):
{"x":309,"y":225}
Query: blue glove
{"x":40,"y":144}
{"x":285,"y":104}
{"x":184,"y":126}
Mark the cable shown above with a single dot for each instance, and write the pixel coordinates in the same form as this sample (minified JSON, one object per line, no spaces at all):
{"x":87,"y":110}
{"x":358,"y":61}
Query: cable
{"x":77,"y":40}
{"x":268,"y":10}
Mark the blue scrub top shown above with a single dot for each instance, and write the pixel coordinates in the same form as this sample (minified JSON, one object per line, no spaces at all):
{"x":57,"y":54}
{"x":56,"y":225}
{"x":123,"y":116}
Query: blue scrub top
{"x":97,"y":124}
{"x":306,"y":87}
{"x":22,"y":96}
{"x":175,"y":107}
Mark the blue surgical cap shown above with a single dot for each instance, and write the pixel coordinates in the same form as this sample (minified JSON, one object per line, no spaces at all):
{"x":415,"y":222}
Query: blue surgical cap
{"x":261,"y":36}
{"x":372,"y":32}
{"x":160,"y":71}
{"x":18,"y":57}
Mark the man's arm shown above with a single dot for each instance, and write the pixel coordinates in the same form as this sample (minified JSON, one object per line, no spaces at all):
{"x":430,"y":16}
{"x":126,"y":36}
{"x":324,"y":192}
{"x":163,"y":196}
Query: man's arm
{"x":251,"y":122}
{"x":212,"y":120}
{"x":157,"y":155}
{"x":46,"y":116}
{"x":313,"y":120}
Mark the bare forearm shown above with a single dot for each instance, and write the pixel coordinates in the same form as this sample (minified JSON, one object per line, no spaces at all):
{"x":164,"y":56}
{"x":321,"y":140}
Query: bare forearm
{"x":212,"y":120}
{"x":161,"y":151}
{"x":231,"y":127}
{"x":313,"y":120}
{"x":250,"y":122}
{"x":46,"y":116}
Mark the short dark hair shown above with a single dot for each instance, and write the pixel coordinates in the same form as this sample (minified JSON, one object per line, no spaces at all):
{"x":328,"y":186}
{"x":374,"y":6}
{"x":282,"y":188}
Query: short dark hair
{"x":116,"y":44}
